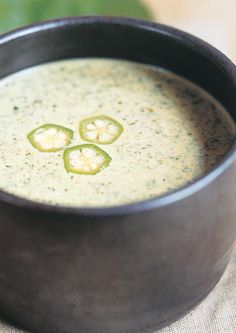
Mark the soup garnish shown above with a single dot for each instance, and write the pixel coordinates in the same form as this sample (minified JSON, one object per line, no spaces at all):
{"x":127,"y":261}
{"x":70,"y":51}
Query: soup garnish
{"x":50,"y":137}
{"x":100,"y":129}
{"x":86,"y":159}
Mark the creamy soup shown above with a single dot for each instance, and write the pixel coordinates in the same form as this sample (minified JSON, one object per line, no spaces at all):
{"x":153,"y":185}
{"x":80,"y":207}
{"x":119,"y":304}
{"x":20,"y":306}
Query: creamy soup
{"x":161,"y":132}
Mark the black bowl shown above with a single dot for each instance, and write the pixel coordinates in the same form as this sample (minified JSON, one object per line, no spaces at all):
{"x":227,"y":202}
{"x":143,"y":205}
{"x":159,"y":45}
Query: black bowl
{"x":129,"y":269}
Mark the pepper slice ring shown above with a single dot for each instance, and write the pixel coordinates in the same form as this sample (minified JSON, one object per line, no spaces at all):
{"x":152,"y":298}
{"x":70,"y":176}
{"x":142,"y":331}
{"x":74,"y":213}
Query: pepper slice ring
{"x":86,"y":159}
{"x":50,"y":137}
{"x":100,"y":129}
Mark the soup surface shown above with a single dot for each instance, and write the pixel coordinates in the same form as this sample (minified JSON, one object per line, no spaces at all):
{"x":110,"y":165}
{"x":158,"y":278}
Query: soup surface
{"x":173,"y":131}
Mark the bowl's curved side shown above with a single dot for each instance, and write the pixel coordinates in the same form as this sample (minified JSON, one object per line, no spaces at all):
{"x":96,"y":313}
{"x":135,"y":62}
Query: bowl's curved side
{"x":134,"y":274}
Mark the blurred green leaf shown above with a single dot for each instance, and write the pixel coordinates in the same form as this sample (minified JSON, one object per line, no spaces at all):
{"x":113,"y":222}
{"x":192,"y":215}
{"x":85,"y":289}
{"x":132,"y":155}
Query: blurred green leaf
{"x":15,"y":13}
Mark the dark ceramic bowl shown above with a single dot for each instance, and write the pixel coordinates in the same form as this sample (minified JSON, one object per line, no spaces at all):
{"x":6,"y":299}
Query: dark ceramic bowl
{"x":129,"y":269}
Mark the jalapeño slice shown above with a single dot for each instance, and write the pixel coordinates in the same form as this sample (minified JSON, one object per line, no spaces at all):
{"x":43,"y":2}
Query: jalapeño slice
{"x":50,"y":137}
{"x":86,"y":159}
{"x":100,"y":129}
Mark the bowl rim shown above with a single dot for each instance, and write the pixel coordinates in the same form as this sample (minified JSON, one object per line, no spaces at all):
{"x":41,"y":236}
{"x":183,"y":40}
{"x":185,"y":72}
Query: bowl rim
{"x":176,"y":195}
